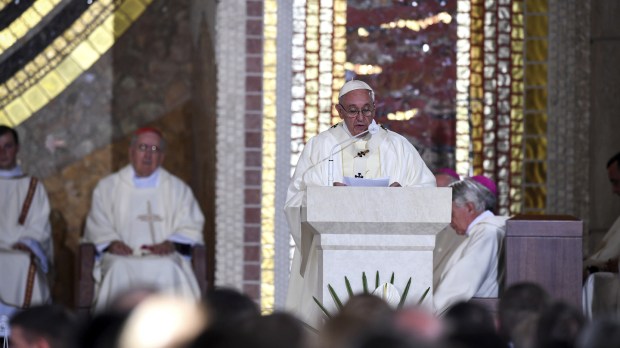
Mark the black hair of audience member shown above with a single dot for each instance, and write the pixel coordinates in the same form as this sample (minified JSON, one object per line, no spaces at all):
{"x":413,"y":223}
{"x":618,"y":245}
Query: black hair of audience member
{"x":518,"y":303}
{"x":601,"y":333}
{"x":559,"y":326}
{"x":230,"y":309}
{"x":370,"y":309}
{"x":471,"y":325}
{"x":361,"y":313}
{"x":102,"y":330}
{"x":385,"y":339}
{"x":279,"y":330}
{"x":52,"y":323}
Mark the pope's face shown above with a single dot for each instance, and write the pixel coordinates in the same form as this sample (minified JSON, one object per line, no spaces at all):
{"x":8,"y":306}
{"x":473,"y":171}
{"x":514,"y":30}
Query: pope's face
{"x":614,"y":177}
{"x":352,"y":108}
{"x":145,"y":154}
{"x":8,"y":151}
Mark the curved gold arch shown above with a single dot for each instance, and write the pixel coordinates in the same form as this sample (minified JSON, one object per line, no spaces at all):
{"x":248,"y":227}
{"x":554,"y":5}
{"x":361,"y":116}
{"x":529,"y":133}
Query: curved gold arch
{"x":71,"y":54}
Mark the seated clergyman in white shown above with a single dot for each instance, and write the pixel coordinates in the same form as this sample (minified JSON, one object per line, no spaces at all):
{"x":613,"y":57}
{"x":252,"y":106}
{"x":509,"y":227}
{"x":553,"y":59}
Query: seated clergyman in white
{"x":601,"y":292}
{"x":139,"y":218}
{"x":384,"y":154}
{"x":472,"y":270}
{"x":25,"y":233}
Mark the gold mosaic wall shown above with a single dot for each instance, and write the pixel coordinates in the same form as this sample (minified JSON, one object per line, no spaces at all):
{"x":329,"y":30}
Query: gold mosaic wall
{"x":535,"y":140}
{"x":267,"y":289}
{"x":491,"y":43}
{"x":68,"y":56}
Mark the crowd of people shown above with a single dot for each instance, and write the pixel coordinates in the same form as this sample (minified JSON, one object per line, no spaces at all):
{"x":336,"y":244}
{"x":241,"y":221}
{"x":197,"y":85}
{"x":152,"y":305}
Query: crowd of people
{"x":526,"y":317}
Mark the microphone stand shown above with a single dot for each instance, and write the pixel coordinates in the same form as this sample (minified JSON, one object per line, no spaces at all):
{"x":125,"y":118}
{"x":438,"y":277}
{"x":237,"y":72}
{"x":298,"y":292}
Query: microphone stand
{"x":330,"y":164}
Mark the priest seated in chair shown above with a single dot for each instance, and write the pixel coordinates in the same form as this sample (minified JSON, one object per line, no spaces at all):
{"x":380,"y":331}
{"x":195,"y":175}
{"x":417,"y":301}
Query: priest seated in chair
{"x":25,"y":232}
{"x":473,"y":269}
{"x":601,"y":291}
{"x":142,"y":220}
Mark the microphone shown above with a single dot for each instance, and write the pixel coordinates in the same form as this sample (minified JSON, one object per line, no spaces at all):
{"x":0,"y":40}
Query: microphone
{"x":372,"y":129}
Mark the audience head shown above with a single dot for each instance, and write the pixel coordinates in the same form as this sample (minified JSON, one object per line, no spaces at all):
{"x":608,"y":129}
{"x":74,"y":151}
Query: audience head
{"x":419,"y":323}
{"x":42,"y":326}
{"x":469,"y":199}
{"x":491,"y":199}
{"x":163,"y":321}
{"x":559,"y":326}
{"x":601,"y":333}
{"x":230,"y":309}
{"x":518,"y":303}
{"x":146,"y":151}
{"x":9,"y":146}
{"x":470,"y":325}
{"x":356,"y":106}
{"x":446,"y":176}
{"x":102,"y":330}
{"x":361,"y":314}
{"x":613,"y":172}
{"x":279,"y":330}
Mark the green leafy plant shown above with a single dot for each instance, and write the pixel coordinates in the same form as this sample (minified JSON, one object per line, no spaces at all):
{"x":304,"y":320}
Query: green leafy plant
{"x":347,"y":284}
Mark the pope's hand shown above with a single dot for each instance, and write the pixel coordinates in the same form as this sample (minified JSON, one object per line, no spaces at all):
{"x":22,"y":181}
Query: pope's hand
{"x":163,"y":248}
{"x":119,"y":248}
{"x":339,"y":184}
{"x":22,"y":247}
{"x":395,"y":184}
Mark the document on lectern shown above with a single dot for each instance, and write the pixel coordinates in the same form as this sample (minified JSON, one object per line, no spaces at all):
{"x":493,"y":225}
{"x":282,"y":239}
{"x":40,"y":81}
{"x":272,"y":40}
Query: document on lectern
{"x":361,"y":182}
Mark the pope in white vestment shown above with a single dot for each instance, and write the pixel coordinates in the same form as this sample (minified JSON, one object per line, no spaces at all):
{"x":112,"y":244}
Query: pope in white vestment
{"x":473,"y":269}
{"x":380,"y":155}
{"x":25,"y":244}
{"x":144,"y":215}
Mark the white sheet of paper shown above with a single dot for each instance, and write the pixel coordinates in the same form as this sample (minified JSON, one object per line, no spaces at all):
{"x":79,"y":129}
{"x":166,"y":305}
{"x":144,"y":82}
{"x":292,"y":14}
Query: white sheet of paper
{"x":380,"y":182}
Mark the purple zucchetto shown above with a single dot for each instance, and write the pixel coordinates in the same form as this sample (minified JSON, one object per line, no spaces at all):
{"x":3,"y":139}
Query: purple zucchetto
{"x":486,"y":182}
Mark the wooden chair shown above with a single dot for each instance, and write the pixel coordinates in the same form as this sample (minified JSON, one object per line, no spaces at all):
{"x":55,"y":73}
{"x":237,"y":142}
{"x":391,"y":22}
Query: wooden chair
{"x":85,"y":284}
{"x":544,"y":249}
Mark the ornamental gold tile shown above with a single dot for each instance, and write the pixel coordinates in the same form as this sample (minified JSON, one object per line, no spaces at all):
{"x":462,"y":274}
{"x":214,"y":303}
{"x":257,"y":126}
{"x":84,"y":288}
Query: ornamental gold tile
{"x":536,"y":24}
{"x":536,"y":99}
{"x":536,"y":124}
{"x":536,"y":50}
{"x":85,"y":55}
{"x":35,"y":98}
{"x":132,"y":8}
{"x":53,"y":84}
{"x":536,"y":74}
{"x":17,"y":111}
{"x":541,"y":6}
{"x":4,"y":119}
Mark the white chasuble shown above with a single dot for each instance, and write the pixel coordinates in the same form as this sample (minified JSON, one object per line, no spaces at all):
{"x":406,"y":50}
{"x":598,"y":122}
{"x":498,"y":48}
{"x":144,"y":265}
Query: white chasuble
{"x":384,"y":154}
{"x":34,"y":232}
{"x":601,"y":291}
{"x":473,"y":269}
{"x":138,"y":217}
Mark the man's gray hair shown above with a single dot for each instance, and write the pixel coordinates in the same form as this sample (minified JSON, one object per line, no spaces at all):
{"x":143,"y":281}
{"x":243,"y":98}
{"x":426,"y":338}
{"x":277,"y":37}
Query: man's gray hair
{"x":470,"y":191}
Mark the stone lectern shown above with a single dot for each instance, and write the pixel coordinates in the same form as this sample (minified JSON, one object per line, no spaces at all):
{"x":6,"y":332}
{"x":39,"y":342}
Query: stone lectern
{"x":370,"y":229}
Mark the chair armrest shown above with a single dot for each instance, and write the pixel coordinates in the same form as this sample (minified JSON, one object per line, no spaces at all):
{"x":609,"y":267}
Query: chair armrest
{"x":199,"y":266}
{"x":84,"y":282}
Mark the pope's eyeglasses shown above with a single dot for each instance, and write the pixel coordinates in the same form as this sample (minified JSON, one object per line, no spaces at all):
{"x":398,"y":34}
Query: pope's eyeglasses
{"x":353,"y":112}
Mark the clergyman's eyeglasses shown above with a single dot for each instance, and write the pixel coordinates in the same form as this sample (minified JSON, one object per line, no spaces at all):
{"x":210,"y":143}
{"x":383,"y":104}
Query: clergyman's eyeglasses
{"x":149,"y":148}
{"x":353,"y":112}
